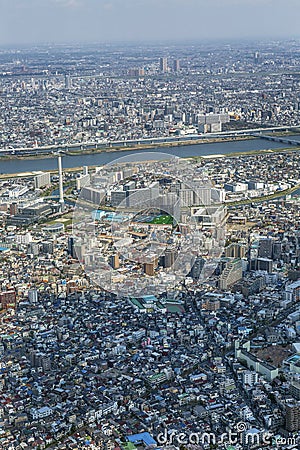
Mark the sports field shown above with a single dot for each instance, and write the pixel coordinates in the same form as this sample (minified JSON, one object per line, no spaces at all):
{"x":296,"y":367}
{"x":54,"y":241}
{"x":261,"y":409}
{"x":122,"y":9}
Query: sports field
{"x":163,"y":220}
{"x":155,"y":219}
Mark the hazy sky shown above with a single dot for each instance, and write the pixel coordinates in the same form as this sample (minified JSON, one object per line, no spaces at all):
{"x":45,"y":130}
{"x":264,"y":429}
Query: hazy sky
{"x":34,"y":21}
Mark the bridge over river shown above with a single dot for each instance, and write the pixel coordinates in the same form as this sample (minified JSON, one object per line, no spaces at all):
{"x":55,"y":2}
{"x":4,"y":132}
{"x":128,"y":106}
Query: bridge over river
{"x":284,"y":140}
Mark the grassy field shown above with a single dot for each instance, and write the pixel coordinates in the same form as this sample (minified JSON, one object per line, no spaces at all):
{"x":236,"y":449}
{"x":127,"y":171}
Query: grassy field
{"x":163,"y":220}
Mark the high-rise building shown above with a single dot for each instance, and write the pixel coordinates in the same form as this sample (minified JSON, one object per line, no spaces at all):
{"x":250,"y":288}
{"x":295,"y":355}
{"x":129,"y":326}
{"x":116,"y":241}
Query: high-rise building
{"x":176,"y":65}
{"x":118,"y":197}
{"x":40,"y":359}
{"x":249,"y":377}
{"x":295,"y":389}
{"x":42,"y":179}
{"x":163,"y":64}
{"x":129,"y":186}
{"x":211,"y":304}
{"x":197,"y":267}
{"x":115,"y":261}
{"x":136,"y":197}
{"x":236,"y":250}
{"x":265,"y":248}
{"x":264,"y":264}
{"x":292,"y":291}
{"x":79,"y":251}
{"x":149,"y":269}
{"x":136,"y":72}
{"x":232,"y":273}
{"x":68,"y":82}
{"x":33,"y":295}
{"x":256,"y":57}
{"x":71,"y":243}
{"x":203,"y":196}
{"x":187,"y":197}
{"x":8,"y":299}
{"x":93,"y":195}
{"x":13,"y":209}
{"x":47,"y":247}
{"x":33,"y":249}
{"x":169,"y":258}
{"x":292,"y":417}
{"x":82,"y":181}
{"x":277,"y":248}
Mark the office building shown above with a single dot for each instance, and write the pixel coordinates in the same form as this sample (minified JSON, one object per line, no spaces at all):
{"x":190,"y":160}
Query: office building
{"x":265,"y":248}
{"x":47,"y":247}
{"x":264,"y":264}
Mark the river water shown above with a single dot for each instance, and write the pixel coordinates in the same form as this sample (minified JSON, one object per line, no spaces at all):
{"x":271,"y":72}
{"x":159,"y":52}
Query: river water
{"x":98,"y":159}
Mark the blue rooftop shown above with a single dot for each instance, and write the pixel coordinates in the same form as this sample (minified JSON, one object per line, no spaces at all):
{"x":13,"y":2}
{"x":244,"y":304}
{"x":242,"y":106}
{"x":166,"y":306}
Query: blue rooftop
{"x":141,"y":437}
{"x":150,"y":297}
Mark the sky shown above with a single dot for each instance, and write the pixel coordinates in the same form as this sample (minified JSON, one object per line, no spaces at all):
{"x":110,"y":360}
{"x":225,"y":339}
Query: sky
{"x":45,"y":21}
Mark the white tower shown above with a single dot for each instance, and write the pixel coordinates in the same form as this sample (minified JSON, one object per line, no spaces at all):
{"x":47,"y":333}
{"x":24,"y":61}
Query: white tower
{"x":61,"y":185}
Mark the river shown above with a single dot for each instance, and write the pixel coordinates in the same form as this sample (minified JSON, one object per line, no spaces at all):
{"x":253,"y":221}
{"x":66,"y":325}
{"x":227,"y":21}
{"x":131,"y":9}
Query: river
{"x":98,"y":159}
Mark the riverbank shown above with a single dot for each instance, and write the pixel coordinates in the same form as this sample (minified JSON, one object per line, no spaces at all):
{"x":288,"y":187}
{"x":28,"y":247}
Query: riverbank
{"x":123,"y":148}
{"x":250,"y":153}
{"x":195,"y":158}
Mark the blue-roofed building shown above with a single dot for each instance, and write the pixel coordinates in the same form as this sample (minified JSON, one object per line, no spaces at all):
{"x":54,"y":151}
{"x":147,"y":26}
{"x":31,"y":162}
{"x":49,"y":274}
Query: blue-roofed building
{"x":145,"y":438}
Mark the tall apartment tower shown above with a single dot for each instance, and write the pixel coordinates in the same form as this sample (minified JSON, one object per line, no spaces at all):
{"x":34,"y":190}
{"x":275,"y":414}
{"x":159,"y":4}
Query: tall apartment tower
{"x":163,"y":65}
{"x":256,"y":57}
{"x":115,"y":261}
{"x":68,"y":82}
{"x":293,"y":417}
{"x":176,"y":65}
{"x":149,"y":269}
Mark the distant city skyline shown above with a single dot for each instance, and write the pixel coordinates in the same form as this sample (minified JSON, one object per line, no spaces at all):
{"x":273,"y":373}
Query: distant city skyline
{"x":42,"y":21}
